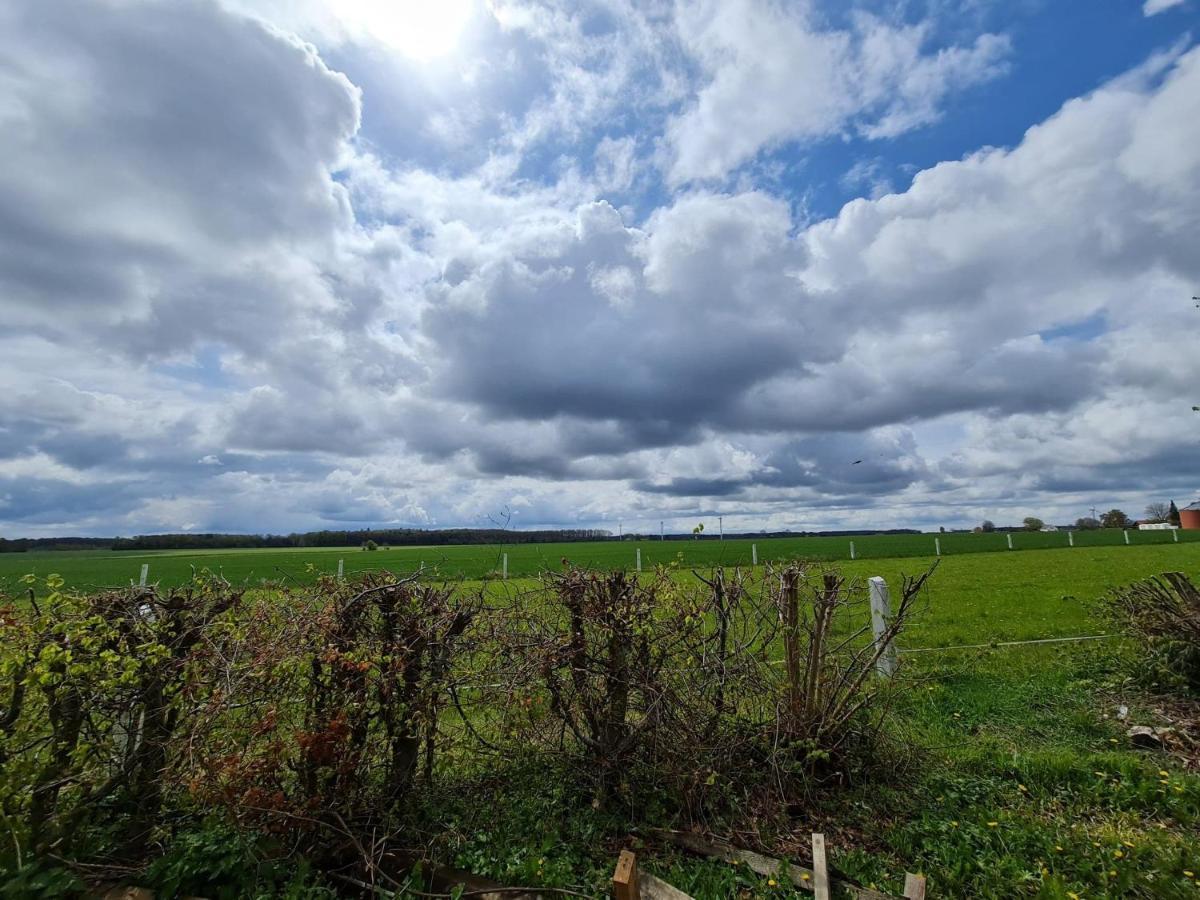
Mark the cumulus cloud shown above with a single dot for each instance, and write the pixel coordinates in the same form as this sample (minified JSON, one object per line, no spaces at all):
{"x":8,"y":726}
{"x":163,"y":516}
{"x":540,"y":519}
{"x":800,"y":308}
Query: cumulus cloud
{"x":227,"y":307}
{"x":774,"y":75}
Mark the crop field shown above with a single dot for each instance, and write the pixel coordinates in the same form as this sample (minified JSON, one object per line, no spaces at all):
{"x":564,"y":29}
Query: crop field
{"x":103,"y":568}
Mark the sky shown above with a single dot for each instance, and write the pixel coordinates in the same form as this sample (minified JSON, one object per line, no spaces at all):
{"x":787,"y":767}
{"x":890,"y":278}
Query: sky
{"x":281,"y":265}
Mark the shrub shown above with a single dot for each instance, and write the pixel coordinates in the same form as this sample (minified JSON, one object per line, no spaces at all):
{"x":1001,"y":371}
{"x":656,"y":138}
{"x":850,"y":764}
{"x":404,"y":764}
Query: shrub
{"x":679,"y":685}
{"x":1162,"y":615}
{"x":95,"y":688}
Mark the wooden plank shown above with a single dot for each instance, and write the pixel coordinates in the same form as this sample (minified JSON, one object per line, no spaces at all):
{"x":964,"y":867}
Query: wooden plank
{"x":914,"y":886}
{"x":762,"y":865}
{"x":820,"y":869}
{"x":657,"y":889}
{"x":625,"y":878}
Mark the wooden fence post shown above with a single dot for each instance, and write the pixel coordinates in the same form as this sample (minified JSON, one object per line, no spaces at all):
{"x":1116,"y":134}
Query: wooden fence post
{"x":937,"y":546}
{"x":754,"y":554}
{"x":881,"y":615}
{"x":145,"y":574}
{"x":914,"y":886}
{"x":625,"y":878}
{"x":504,"y":567}
{"x":341,"y":569}
{"x":639,"y":559}
{"x":1009,"y":536}
{"x":820,"y":869}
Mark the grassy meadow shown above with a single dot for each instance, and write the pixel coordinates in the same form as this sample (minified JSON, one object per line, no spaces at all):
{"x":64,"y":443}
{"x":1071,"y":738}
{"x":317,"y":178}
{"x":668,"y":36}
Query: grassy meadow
{"x":1013,"y":774}
{"x":1009,"y":773}
{"x":104,"y":568}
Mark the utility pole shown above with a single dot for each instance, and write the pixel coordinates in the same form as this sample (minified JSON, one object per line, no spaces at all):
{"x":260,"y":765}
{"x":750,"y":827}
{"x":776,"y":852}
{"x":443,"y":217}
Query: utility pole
{"x":662,"y":532}
{"x":620,"y":531}
{"x":721,"y":526}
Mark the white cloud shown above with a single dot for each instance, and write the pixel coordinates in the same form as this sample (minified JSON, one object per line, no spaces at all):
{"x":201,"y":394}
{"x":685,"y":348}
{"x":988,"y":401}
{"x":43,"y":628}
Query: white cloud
{"x":225,"y":307}
{"x":773,"y":75}
{"x":1154,"y":7}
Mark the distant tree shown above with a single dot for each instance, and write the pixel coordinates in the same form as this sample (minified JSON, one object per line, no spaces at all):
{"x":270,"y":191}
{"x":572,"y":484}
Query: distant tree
{"x":1158,"y":512}
{"x":1114,"y":518}
{"x":1087,"y":523}
{"x":370,"y":545}
{"x":697,"y":531}
{"x":1173,"y":514}
{"x":942,"y":529}
{"x":988,"y":526}
{"x":1033,"y":523}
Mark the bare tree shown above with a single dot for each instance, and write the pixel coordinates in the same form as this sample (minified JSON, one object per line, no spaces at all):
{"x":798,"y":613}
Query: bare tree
{"x":1158,"y":512}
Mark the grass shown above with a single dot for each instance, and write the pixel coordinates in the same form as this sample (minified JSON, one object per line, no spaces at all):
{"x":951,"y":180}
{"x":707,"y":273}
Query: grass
{"x":1013,"y":778}
{"x":104,"y":568}
{"x":1018,"y":780}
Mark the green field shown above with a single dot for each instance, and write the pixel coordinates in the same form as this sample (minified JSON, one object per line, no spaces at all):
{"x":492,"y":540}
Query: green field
{"x":1011,"y":775}
{"x":103,"y":568}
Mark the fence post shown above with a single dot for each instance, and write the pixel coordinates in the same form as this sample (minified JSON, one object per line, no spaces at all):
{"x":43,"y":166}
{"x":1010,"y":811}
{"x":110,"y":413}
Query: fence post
{"x":754,"y":554}
{"x":1070,"y":539}
{"x":145,"y":574}
{"x":341,"y":568}
{"x":1175,"y":534}
{"x":504,"y":567}
{"x":852,"y":549}
{"x":639,"y":559}
{"x":820,"y":868}
{"x":881,"y":614}
{"x":1009,"y":536}
{"x":625,"y":878}
{"x":1126,"y":533}
{"x":937,"y":546}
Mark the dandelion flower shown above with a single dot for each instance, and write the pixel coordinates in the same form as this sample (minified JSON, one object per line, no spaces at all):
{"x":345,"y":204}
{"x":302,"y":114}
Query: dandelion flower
{"x":771,"y":882}
{"x":992,"y":824}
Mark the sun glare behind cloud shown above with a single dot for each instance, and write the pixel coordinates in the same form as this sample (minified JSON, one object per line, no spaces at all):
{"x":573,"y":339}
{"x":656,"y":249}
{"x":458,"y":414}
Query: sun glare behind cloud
{"x":420,"y":29}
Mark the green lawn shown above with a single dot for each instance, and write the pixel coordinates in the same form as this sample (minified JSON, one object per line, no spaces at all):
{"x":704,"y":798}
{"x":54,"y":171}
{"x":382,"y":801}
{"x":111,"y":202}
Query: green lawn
{"x":91,"y":568}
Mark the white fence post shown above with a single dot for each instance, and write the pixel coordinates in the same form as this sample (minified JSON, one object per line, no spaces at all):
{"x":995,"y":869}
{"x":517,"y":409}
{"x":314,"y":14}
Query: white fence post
{"x":1126,"y":533}
{"x":1070,"y":539}
{"x":639,"y":559}
{"x":937,"y":546}
{"x":754,"y":554}
{"x":1175,"y":533}
{"x":504,"y":567}
{"x":145,"y":574}
{"x":1009,"y":536}
{"x":852,"y":549}
{"x":341,"y":568}
{"x":881,"y":615}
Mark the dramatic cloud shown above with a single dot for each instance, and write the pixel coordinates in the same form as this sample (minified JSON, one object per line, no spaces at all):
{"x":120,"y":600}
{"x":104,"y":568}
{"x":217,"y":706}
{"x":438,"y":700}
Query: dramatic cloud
{"x":255,"y":283}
